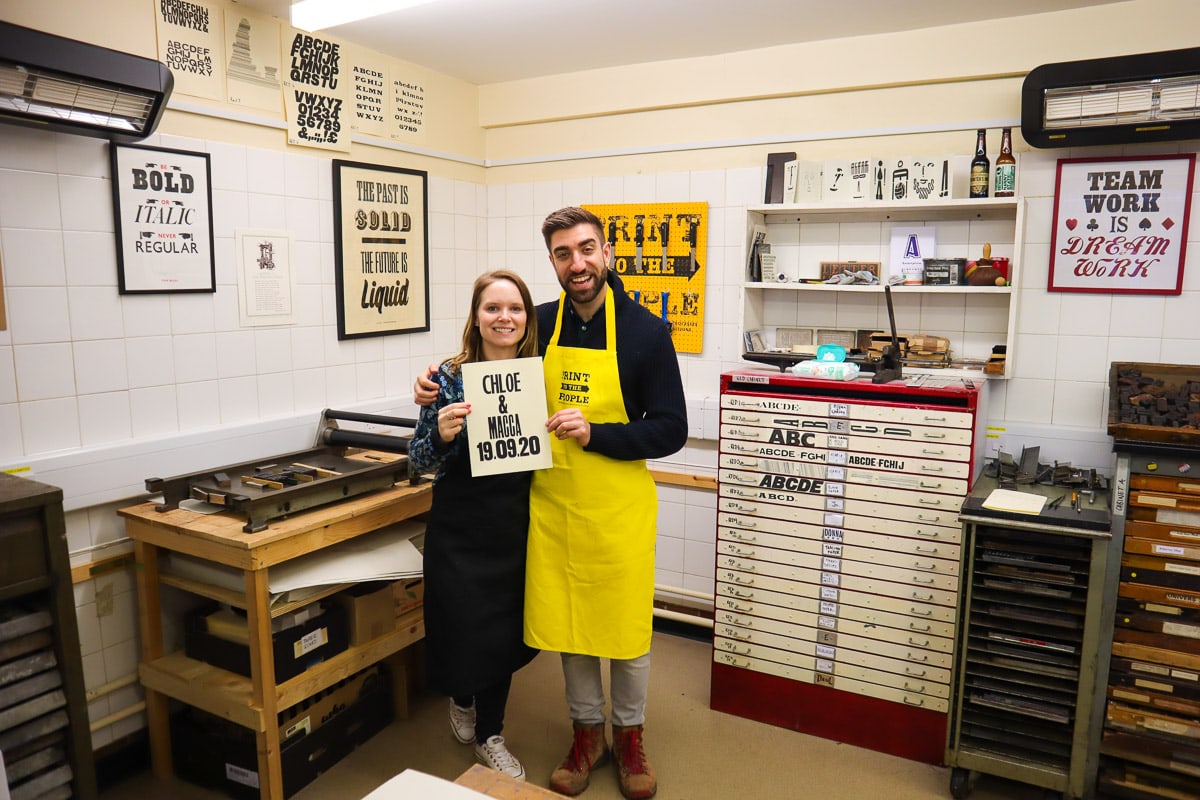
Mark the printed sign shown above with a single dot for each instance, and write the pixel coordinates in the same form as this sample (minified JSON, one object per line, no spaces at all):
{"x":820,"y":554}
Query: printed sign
{"x":1120,"y":224}
{"x":382,"y":249}
{"x":189,"y":43}
{"x":315,"y":92}
{"x":252,"y":62}
{"x":163,"y":208}
{"x":506,"y":428}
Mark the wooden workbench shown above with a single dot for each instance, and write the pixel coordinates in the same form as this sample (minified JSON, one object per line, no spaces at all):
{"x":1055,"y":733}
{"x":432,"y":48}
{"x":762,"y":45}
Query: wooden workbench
{"x":252,"y":702}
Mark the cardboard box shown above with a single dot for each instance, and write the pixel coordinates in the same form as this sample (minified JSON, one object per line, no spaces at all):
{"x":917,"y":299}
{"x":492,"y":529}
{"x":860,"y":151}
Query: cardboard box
{"x":214,"y":752}
{"x":307,"y":716}
{"x":944,"y":271}
{"x":295,"y":649}
{"x":369,"y":612}
{"x":408,"y":594}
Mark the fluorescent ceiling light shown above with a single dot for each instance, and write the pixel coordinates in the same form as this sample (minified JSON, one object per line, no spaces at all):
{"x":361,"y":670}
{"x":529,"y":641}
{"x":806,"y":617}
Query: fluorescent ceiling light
{"x":316,"y":15}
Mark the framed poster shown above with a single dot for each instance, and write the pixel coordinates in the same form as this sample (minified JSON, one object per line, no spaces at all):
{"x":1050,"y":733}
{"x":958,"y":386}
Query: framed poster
{"x":381,"y":247}
{"x":162,"y":204}
{"x":1120,"y":224}
{"x":266,"y":280}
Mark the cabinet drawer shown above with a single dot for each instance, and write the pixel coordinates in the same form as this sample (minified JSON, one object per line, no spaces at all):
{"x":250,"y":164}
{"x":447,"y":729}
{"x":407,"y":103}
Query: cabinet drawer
{"x":777,"y":473}
{"x":826,"y":585}
{"x":871,"y":531}
{"x":809,"y":440}
{"x":811,"y":675}
{"x":873,"y":609}
{"x":884,"y":412}
{"x":845,"y":633}
{"x":756,"y":486}
{"x":23,"y":543}
{"x":859,"y":665}
{"x":731,"y":501}
{"x":936,"y":572}
{"x":887,"y":462}
{"x":828,"y":538}
{"x":916,"y":433}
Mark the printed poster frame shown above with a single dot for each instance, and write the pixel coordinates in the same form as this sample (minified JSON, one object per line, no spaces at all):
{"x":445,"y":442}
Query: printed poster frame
{"x":162,"y":214}
{"x":380,"y":228}
{"x":1120,"y":224}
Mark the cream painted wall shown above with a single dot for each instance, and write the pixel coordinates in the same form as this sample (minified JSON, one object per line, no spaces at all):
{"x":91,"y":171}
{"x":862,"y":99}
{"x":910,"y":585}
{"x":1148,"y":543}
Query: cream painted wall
{"x":91,"y":382}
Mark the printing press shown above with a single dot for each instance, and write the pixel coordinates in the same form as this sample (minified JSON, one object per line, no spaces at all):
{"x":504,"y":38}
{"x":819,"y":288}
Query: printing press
{"x":342,"y":463}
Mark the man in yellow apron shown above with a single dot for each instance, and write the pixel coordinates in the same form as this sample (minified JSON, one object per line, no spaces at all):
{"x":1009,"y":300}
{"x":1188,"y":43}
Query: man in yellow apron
{"x":616,"y":399}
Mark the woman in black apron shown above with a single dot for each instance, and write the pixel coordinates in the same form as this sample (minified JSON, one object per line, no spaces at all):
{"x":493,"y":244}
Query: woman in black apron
{"x":476,"y":535}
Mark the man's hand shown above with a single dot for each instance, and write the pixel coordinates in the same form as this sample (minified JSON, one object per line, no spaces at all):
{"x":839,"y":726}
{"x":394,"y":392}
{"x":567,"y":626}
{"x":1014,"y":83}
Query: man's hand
{"x":425,"y":389}
{"x":570,"y":424}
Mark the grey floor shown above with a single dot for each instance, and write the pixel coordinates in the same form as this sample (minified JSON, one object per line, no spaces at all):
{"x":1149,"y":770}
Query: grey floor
{"x":698,"y":753}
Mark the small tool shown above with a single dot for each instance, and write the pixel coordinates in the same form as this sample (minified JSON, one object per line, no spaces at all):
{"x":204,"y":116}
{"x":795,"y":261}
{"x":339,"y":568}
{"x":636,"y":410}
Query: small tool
{"x":1075,"y":502}
{"x":1056,"y":502}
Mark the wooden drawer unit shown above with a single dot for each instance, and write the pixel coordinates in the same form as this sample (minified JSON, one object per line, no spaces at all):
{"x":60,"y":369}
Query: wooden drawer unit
{"x":838,"y":556}
{"x":1151,"y":740}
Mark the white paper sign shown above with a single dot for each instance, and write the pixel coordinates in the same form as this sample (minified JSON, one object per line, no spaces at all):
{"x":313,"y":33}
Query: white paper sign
{"x":506,"y":428}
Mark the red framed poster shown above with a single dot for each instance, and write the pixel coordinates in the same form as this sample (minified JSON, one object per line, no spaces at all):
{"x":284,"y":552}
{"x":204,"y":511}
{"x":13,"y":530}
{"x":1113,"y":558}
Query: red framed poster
{"x":1120,"y":224}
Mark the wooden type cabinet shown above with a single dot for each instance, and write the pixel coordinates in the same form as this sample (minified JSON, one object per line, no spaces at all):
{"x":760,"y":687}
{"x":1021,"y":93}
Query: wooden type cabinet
{"x":1151,"y":742}
{"x":974,"y":318}
{"x":837,"y":563}
{"x":44,"y":734}
{"x":1035,"y":621}
{"x":253,"y":702}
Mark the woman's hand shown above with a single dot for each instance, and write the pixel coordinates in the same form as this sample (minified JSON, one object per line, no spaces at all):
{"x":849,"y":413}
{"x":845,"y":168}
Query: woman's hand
{"x":451,"y":419}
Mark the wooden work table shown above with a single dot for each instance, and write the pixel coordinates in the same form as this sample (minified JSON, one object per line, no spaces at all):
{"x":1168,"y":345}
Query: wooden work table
{"x":252,"y":702}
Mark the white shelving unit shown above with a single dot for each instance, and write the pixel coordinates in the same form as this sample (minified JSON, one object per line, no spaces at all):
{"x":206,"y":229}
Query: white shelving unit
{"x":974,"y":319}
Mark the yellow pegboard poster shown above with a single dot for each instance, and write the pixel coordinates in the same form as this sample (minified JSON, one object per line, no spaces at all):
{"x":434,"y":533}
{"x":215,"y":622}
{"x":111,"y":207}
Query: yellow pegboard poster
{"x":659,"y":250}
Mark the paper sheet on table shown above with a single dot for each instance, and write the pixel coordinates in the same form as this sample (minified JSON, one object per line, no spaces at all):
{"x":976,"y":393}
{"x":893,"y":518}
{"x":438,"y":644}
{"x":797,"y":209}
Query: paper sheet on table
{"x":412,"y":784}
{"x":387,"y":554}
{"x":1017,"y":502}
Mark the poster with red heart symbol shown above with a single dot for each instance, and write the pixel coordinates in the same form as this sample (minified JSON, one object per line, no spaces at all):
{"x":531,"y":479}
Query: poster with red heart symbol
{"x":1120,"y":224}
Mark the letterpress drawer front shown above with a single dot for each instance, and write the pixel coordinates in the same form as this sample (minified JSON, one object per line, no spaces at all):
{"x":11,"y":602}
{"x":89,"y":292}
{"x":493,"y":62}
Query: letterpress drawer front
{"x":902,"y":616}
{"x":847,"y":458}
{"x":933,"y":417}
{"x":935,"y":589}
{"x":805,"y":440}
{"x":23,"y":544}
{"x":848,"y":633}
{"x":784,"y":520}
{"x":801,"y":423}
{"x":785,"y":474}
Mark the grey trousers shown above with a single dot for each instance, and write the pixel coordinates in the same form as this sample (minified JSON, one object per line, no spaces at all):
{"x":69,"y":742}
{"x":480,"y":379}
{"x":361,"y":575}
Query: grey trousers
{"x":629,"y":678}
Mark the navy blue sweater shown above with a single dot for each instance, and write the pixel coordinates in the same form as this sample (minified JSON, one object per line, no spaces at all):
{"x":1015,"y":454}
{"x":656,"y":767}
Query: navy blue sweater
{"x":649,"y":374}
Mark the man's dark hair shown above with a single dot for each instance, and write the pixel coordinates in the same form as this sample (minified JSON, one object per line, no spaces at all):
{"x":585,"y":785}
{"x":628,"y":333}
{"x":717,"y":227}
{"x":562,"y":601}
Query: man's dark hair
{"x":569,"y":217}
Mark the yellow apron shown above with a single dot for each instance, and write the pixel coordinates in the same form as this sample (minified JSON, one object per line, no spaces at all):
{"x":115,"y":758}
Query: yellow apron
{"x":589,"y":577}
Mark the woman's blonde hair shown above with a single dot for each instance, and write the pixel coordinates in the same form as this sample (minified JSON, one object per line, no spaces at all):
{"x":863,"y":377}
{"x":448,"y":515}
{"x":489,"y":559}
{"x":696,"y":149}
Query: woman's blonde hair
{"x":472,"y":339}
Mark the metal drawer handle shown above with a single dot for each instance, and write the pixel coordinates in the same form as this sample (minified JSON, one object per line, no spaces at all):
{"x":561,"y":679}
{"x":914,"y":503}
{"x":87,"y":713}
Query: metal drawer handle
{"x":739,"y":552}
{"x":734,"y":649}
{"x":908,"y":688}
{"x":733,"y":662}
{"x":740,"y":608}
{"x":925,"y":485}
{"x":924,"y":659}
{"x":920,"y":702}
{"x":738,"y":579}
{"x":919,"y":628}
{"x":920,"y":549}
{"x":931,"y":568}
{"x":927,"y":534}
{"x":933,"y":436}
{"x":930,"y":452}
{"x":924,"y":502}
{"x":733,"y":634}
{"x":918,"y":612}
{"x":748,"y":524}
{"x":920,"y":674}
{"x":927,"y":599}
{"x":935,"y":419}
{"x":932,"y":469}
{"x":917,"y":579}
{"x":740,"y":537}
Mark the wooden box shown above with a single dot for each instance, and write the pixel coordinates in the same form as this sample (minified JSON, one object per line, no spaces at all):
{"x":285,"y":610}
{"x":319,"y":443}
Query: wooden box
{"x":1154,"y":403}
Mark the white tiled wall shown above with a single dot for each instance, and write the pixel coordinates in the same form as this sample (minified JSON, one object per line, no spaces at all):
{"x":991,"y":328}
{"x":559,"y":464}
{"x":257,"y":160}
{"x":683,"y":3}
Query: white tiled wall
{"x":83,"y":368}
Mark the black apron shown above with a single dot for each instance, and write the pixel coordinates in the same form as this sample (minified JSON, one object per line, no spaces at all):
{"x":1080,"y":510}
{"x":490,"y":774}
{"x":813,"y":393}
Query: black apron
{"x":475,"y":579}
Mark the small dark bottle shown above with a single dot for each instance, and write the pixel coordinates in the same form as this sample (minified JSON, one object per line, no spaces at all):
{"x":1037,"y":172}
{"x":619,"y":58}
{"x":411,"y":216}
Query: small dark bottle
{"x":980,"y":166}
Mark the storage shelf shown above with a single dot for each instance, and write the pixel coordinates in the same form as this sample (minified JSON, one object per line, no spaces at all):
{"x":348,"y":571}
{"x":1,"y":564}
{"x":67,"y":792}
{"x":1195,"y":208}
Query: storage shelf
{"x":878,"y":288}
{"x":890,"y":211}
{"x":229,"y":695}
{"x":238,"y":599}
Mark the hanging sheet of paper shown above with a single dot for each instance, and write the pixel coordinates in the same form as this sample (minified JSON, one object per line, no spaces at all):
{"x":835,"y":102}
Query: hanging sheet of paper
{"x":507,"y":424}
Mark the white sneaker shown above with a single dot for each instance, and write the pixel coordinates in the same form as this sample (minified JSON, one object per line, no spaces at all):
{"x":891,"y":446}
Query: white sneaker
{"x":493,"y":754}
{"x":462,"y":722}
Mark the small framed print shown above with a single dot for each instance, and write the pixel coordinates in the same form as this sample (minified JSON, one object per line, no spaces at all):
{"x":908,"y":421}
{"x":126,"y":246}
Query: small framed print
{"x":162,"y":206}
{"x":1121,"y":224}
{"x":381,"y":246}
